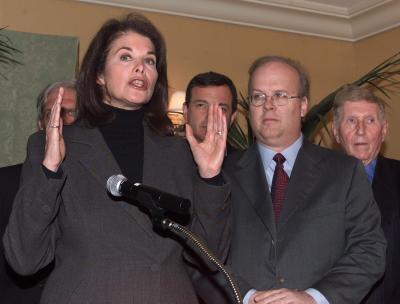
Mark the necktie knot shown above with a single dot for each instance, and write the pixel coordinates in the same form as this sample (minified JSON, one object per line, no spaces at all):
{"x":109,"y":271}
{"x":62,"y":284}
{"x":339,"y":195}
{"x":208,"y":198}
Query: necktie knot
{"x":279,"y":158}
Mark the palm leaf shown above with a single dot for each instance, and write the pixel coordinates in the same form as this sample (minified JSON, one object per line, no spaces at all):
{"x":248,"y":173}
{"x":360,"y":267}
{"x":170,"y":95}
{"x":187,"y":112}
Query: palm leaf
{"x":7,"y":52}
{"x":237,"y":136}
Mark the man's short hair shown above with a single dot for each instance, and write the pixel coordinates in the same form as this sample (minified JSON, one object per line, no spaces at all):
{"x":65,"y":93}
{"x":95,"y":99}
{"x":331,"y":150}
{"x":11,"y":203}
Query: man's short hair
{"x":352,"y":93}
{"x":41,"y":100}
{"x":304,"y":90}
{"x":211,"y":79}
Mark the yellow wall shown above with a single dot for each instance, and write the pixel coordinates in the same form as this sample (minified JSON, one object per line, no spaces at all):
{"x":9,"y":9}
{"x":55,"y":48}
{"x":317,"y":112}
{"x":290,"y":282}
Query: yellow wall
{"x":369,"y":53}
{"x":196,"y":46}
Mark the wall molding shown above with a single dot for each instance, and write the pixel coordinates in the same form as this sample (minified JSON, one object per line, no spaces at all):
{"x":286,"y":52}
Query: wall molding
{"x":354,"y":22}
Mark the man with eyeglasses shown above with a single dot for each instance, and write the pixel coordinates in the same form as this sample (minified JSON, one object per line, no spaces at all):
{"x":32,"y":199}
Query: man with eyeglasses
{"x":15,"y":288}
{"x":360,"y":126}
{"x":306,"y":228}
{"x":47,"y":98}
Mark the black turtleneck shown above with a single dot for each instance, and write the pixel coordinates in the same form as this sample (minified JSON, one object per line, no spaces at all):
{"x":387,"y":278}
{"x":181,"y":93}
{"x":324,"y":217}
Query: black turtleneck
{"x":124,"y":137}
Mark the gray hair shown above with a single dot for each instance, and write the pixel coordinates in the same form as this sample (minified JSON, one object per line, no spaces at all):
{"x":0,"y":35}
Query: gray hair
{"x":41,"y":100}
{"x":353,"y":93}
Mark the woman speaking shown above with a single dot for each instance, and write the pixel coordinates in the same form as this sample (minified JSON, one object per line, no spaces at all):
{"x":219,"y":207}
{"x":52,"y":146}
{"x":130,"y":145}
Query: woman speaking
{"x":106,"y":250}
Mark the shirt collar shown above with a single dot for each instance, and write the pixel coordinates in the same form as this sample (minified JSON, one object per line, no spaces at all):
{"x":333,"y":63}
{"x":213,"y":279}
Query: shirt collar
{"x":290,"y":153}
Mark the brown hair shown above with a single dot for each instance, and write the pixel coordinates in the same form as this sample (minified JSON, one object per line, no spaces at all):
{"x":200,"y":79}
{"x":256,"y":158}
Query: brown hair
{"x":90,"y":96}
{"x":211,"y":79}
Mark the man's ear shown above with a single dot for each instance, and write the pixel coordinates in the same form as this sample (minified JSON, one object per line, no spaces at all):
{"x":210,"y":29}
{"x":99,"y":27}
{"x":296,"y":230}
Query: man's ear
{"x":385,"y":128}
{"x":40,"y":125}
{"x":233,"y":117}
{"x":304,"y":106}
{"x":335,"y":133}
{"x":185,"y":112}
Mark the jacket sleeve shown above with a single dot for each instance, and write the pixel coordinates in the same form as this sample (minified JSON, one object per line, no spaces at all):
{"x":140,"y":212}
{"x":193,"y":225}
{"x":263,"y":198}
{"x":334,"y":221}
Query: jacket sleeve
{"x":363,"y":260}
{"x":32,"y":230}
{"x":211,"y":216}
{"x":212,"y":222}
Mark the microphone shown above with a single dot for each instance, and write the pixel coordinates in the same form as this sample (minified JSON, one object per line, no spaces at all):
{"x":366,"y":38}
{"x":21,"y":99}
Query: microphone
{"x":150,"y":198}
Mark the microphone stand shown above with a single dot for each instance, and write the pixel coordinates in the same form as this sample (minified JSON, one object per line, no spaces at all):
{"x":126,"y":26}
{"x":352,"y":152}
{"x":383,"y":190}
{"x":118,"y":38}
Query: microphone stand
{"x":159,"y":219}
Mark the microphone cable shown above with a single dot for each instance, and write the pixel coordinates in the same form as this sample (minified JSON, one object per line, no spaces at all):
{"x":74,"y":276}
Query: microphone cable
{"x":187,"y":234}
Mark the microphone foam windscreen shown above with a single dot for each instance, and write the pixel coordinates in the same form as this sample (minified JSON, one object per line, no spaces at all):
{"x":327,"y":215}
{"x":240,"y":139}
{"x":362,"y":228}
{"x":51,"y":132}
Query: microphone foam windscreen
{"x":114,"y":184}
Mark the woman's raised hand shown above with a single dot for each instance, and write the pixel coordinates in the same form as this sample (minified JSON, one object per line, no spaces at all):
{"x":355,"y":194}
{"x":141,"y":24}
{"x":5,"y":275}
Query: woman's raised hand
{"x":55,"y":147}
{"x":209,"y":154}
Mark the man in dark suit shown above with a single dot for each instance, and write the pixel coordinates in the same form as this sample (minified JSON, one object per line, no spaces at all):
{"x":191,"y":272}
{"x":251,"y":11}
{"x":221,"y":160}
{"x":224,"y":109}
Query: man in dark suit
{"x":204,"y":90}
{"x":360,"y":127}
{"x":16,"y":289}
{"x":306,"y":228}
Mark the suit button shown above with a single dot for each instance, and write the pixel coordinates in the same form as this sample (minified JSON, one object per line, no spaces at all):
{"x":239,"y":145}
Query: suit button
{"x":154,"y":268}
{"x":281,"y":280}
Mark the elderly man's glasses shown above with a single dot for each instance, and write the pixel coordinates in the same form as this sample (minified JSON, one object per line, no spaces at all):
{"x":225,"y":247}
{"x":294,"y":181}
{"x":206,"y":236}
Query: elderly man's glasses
{"x":279,"y":98}
{"x":66,"y":114}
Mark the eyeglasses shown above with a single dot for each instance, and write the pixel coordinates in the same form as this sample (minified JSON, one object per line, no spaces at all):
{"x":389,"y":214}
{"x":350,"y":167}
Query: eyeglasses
{"x":279,"y":98}
{"x":65,"y":114}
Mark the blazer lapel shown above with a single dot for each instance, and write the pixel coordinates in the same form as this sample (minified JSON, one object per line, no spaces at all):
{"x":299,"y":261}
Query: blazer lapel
{"x":94,"y":154}
{"x":97,"y":158}
{"x":254,"y":184}
{"x":304,"y":175}
{"x":154,"y":159}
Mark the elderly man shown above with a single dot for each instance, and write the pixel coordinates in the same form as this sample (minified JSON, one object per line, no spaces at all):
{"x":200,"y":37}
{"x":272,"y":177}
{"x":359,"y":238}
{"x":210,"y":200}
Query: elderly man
{"x":306,"y":228}
{"x":13,"y":287}
{"x":204,"y":90}
{"x":360,"y":126}
{"x":47,"y":98}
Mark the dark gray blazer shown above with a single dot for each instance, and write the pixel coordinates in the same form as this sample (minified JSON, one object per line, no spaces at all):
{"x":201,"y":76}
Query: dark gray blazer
{"x":14,"y":288}
{"x":328,"y":237}
{"x":106,"y":251}
{"x":386,"y":188}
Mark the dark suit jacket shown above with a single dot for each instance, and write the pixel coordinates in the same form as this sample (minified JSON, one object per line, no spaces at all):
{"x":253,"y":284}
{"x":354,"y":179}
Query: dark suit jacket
{"x":386,"y":188}
{"x":328,"y":236}
{"x":106,"y":251}
{"x":15,"y":289}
